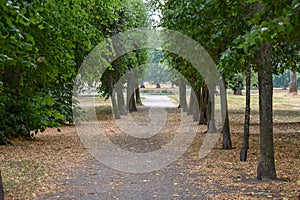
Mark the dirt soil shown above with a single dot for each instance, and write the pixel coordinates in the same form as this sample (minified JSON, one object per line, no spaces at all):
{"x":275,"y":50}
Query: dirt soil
{"x":56,"y":165}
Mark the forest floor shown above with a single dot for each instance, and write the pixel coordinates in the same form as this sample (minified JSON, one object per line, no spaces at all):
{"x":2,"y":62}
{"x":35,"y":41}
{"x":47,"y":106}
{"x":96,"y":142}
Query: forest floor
{"x":56,"y":164}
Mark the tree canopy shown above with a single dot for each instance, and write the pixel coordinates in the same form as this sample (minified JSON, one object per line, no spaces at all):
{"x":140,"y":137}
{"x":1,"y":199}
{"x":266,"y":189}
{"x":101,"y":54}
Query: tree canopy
{"x":261,"y":34}
{"x":42,"y":46}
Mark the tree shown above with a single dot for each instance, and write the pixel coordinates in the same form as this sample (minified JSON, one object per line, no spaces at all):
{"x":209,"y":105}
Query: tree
{"x":236,"y":83}
{"x":138,"y":95}
{"x":245,"y":147}
{"x":266,"y":166}
{"x":120,"y":98}
{"x":200,"y":20}
{"x":269,"y":26}
{"x":244,"y":35}
{"x":191,"y":107}
{"x":131,"y":83}
{"x":226,"y":142}
{"x":182,"y":94}
{"x":132,"y":14}
{"x":33,"y":103}
{"x":116,"y":110}
{"x":44,"y":44}
{"x":293,"y":83}
{"x":204,"y":98}
{"x":281,"y":80}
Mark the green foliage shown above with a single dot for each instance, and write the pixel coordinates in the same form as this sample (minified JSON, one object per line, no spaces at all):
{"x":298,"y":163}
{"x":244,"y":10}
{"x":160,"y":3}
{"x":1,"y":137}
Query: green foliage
{"x":276,"y":23}
{"x":231,"y":32}
{"x":133,"y":14}
{"x":43,"y":44}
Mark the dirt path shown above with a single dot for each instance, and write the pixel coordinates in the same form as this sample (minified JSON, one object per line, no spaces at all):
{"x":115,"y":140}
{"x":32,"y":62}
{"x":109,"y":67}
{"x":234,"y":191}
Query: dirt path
{"x":218,"y":176}
{"x":157,"y":101}
{"x":97,"y":181}
{"x":101,"y":182}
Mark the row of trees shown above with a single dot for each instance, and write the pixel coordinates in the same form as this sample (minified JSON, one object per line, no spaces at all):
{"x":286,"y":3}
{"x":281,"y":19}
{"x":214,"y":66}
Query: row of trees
{"x":242,"y":37}
{"x":43,"y":44}
{"x":286,"y":79}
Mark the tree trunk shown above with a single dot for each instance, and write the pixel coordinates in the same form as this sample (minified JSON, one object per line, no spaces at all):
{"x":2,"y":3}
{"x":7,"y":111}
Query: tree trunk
{"x":226,"y":142}
{"x":211,"y":113}
{"x":266,"y":166}
{"x":138,"y":95}
{"x":203,"y":105}
{"x":197,"y":104}
{"x":120,"y":99}
{"x":131,"y":106}
{"x":182,"y":95}
{"x":245,"y":147}
{"x":112,"y":95}
{"x":1,"y":188}
{"x":237,"y":91}
{"x":293,"y":83}
{"x":192,"y":99}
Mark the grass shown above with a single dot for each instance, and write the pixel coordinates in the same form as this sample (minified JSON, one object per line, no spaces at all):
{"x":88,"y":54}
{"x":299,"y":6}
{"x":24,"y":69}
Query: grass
{"x":286,"y":108}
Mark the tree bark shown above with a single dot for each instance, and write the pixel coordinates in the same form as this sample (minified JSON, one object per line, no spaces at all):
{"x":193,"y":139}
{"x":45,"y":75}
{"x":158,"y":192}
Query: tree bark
{"x":211,"y":112}
{"x":120,"y":99}
{"x":245,"y":147}
{"x":138,"y":95}
{"x":197,"y":104}
{"x":226,"y":142}
{"x":182,"y":95}
{"x":293,"y":83}
{"x":112,"y":95}
{"x":131,"y":106}
{"x":266,"y":166}
{"x":203,"y":105}
{"x":192,"y":99}
{"x":1,"y":188}
{"x":237,"y":91}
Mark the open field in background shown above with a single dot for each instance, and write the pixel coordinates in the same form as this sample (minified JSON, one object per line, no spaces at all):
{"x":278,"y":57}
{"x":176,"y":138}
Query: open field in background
{"x":35,"y":167}
{"x":286,"y":107}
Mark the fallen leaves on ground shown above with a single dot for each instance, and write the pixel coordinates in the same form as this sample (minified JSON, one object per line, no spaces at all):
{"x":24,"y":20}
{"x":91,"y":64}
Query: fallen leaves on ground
{"x":36,"y":167}
{"x":33,"y":167}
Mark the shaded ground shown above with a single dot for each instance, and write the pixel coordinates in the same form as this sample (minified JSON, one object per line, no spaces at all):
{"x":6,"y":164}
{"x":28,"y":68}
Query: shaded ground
{"x":55,"y":165}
